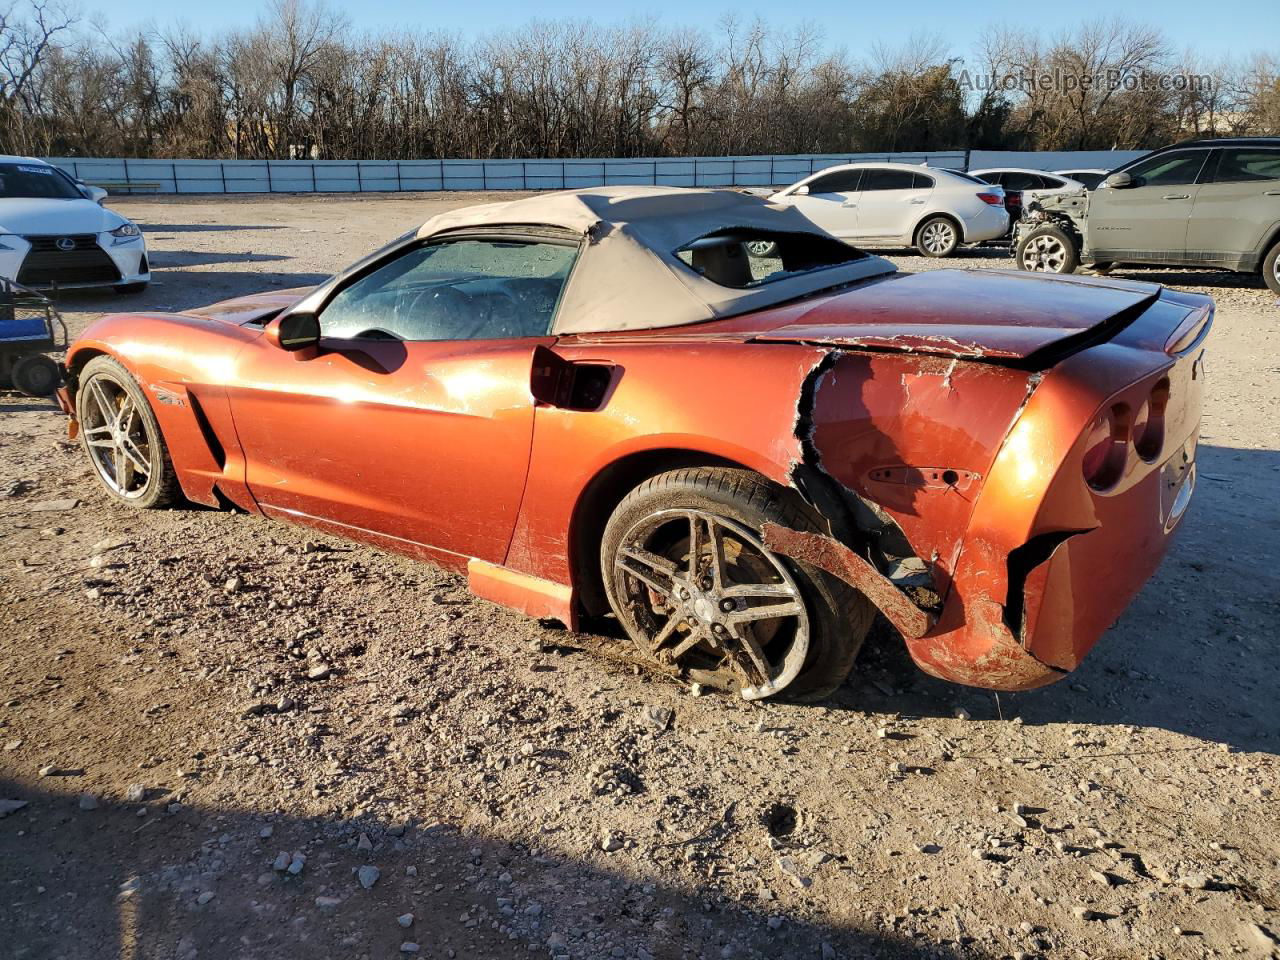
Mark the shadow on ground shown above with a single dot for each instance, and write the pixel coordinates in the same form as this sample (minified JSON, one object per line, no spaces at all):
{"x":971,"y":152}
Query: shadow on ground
{"x":1192,"y":654}
{"x":160,"y":878}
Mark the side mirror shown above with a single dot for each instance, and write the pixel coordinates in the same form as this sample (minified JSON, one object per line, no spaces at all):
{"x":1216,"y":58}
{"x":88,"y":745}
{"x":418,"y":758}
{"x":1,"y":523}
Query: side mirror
{"x":294,"y":331}
{"x":96,"y":194}
{"x":801,"y":191}
{"x":1119,"y":181}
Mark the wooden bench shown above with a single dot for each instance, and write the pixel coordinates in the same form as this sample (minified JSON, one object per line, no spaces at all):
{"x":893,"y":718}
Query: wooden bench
{"x":127,"y":186}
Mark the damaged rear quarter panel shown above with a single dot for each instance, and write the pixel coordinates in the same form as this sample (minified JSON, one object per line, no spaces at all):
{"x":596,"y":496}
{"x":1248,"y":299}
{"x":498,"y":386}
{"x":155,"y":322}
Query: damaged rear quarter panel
{"x":875,"y":414}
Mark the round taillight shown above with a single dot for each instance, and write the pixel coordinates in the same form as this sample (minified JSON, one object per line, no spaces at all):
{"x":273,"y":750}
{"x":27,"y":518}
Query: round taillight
{"x":1107,"y":447}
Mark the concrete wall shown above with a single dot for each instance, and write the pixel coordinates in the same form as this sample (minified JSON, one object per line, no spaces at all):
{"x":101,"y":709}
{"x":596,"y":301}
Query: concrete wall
{"x":343,"y":176}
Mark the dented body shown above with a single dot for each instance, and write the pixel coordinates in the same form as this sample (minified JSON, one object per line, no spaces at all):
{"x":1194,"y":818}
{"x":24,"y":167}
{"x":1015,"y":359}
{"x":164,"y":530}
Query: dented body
{"x":942,"y":428}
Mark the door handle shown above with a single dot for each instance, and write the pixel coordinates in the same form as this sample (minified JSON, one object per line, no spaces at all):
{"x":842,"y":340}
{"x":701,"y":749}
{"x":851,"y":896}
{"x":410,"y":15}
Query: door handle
{"x":917,"y":200}
{"x":1176,"y":196}
{"x":1272,"y":193}
{"x":849,"y":203}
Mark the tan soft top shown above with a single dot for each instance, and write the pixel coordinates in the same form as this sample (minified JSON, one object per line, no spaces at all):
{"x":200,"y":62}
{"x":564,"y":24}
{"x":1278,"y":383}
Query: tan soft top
{"x":628,"y":276}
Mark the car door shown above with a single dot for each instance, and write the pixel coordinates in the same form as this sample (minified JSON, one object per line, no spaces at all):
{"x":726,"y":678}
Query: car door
{"x":411,"y":423}
{"x":1147,"y":221}
{"x":830,"y":200}
{"x":1236,"y":206}
{"x":890,"y":203}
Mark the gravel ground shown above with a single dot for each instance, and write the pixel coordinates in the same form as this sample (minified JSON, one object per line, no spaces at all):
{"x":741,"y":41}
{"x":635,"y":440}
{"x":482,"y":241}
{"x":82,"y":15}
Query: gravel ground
{"x":227,"y":738}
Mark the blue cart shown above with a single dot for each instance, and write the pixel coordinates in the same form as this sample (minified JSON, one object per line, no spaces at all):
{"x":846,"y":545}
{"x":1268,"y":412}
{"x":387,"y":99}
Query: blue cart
{"x":30,"y":329}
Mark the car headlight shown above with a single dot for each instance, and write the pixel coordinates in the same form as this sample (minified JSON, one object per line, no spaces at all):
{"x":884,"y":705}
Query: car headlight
{"x":126,"y":231}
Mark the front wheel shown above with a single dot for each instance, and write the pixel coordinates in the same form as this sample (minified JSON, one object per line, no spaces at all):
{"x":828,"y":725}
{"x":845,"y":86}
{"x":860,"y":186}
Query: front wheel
{"x":1047,"y":249}
{"x":122,"y":438}
{"x":688,"y":577}
{"x":938,"y":237}
{"x":761,"y":248}
{"x":1271,"y":269}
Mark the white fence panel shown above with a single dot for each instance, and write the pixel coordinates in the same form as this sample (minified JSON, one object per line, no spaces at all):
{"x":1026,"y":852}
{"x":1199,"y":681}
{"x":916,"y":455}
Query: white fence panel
{"x":362,"y":176}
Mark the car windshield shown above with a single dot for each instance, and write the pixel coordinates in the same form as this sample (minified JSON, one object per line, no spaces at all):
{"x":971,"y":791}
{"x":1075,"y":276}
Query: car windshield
{"x":742,"y":259}
{"x":34,"y":180}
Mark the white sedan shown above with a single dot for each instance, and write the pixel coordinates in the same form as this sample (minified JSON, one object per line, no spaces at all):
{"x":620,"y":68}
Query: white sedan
{"x":899,"y":204}
{"x":1089,"y":176}
{"x":55,"y":233}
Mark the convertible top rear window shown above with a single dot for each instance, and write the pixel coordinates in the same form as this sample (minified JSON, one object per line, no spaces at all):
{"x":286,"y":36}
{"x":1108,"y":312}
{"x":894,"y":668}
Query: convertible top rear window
{"x":742,"y":259}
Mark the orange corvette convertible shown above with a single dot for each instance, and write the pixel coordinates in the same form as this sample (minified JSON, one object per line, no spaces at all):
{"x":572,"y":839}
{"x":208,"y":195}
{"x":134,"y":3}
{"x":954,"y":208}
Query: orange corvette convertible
{"x":600,"y":403}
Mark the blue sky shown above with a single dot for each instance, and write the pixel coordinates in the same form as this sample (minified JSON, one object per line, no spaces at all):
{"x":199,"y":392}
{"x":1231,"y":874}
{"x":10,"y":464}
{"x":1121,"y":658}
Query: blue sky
{"x":855,"y":26}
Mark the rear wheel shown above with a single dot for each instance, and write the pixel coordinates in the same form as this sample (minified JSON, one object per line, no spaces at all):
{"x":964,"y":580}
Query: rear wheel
{"x":1047,"y":249}
{"x":120,"y":434}
{"x":35,"y":375}
{"x":938,"y":237}
{"x":1271,"y":269}
{"x":700,"y":596}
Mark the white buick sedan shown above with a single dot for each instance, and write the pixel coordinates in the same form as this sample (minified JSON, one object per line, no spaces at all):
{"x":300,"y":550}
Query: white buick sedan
{"x":899,"y":204}
{"x":55,"y":234}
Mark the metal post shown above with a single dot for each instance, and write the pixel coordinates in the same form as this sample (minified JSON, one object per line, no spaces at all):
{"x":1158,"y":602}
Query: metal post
{"x":524,"y":174}
{"x":359,"y":179}
{"x":222,"y":172}
{"x":313,"y":177}
{"x":270,"y":187}
{"x":128,"y":183}
{"x":484,"y":175}
{"x":173,"y":169}
{"x":399,"y":184}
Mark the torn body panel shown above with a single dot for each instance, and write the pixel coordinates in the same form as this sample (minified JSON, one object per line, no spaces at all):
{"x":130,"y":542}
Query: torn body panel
{"x":977,"y":464}
{"x":829,"y":554}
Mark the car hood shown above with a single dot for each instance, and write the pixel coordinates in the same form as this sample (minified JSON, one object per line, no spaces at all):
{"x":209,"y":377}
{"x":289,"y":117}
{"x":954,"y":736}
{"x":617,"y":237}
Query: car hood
{"x":254,"y":308}
{"x":38,"y":215}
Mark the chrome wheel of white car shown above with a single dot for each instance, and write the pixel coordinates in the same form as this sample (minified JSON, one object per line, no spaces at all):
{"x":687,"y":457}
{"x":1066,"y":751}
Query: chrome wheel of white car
{"x":938,"y":238}
{"x":1271,"y":269}
{"x":1047,"y":249}
{"x":1046,"y":254}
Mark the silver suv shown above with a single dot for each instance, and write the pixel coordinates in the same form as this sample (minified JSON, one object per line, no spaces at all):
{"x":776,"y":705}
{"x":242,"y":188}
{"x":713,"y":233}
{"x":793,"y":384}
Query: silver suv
{"x":1206,"y":203}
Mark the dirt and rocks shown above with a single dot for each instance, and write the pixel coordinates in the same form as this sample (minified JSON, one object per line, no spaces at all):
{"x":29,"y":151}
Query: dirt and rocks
{"x":222,"y":737}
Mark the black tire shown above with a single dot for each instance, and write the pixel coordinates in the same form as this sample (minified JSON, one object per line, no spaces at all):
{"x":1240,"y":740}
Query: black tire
{"x":938,"y":237}
{"x":104,"y":382}
{"x":35,"y":375}
{"x":837,"y":617}
{"x":1271,"y":269}
{"x":128,"y":288}
{"x":1047,"y":249}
